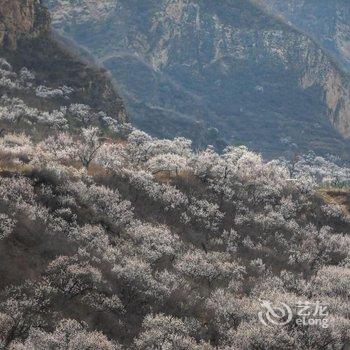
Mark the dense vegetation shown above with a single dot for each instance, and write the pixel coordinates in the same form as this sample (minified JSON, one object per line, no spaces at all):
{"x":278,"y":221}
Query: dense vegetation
{"x":112,"y":239}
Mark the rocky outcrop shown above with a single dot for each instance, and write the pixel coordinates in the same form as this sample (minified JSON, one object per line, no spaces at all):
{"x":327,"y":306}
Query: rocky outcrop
{"x":327,"y":22}
{"x":21,"y":18}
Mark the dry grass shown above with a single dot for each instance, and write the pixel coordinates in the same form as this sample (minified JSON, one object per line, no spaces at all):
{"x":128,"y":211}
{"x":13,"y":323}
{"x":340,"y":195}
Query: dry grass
{"x":10,"y":166}
{"x":336,"y":196}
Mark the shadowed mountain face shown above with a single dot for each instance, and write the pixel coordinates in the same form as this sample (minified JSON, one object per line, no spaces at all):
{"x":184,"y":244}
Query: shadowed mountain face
{"x":328,"y":22}
{"x":218,"y":72}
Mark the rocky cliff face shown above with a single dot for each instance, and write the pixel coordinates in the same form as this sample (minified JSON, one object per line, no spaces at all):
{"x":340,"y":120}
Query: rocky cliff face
{"x":328,"y":22}
{"x":217,"y":72}
{"x":25,"y":39}
{"x":18,"y":19}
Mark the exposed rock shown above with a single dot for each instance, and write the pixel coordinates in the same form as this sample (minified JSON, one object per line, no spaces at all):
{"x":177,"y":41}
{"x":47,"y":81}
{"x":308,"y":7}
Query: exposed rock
{"x":328,"y":22}
{"x":21,"y":18}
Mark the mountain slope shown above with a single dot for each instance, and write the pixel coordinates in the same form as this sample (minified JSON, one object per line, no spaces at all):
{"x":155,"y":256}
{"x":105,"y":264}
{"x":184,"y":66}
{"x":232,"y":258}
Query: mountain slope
{"x":111,"y":239}
{"x":27,"y":42}
{"x":326,"y":21}
{"x":217,"y":72}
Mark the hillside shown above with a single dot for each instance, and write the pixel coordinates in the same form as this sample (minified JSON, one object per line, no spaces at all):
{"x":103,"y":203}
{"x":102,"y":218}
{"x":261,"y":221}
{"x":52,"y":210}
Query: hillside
{"x":111,"y":239}
{"x":131,"y":242}
{"x":26,"y":42}
{"x":216,"y":72}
